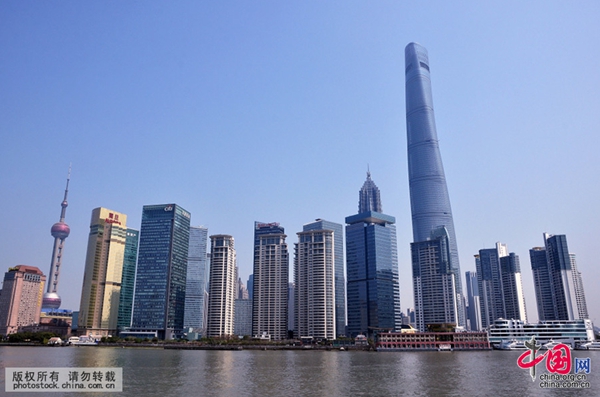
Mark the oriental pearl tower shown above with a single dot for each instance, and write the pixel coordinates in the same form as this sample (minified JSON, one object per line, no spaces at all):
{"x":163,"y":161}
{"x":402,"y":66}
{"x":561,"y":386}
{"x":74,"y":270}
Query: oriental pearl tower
{"x":60,"y":231}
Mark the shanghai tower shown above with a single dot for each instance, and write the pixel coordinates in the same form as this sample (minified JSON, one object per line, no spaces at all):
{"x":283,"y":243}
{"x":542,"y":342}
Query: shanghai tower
{"x":429,"y":200}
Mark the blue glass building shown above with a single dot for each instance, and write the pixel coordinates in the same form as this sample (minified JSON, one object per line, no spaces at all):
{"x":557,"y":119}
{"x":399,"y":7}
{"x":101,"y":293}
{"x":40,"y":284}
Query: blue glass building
{"x":372,"y":267}
{"x":499,"y":283}
{"x":434,"y":281}
{"x":429,"y":199}
{"x":196,"y":293}
{"x":474,"y":310}
{"x":159,"y":303}
{"x":128,"y":279}
{"x":558,"y":285}
{"x":338,"y":259}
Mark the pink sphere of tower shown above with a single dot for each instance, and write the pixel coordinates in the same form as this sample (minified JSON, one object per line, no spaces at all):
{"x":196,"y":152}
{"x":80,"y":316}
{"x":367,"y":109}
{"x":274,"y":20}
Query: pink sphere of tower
{"x":60,"y":230}
{"x":51,"y":300}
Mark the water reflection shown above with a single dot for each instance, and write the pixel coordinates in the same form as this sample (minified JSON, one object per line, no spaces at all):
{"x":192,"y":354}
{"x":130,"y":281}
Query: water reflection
{"x":157,"y":372}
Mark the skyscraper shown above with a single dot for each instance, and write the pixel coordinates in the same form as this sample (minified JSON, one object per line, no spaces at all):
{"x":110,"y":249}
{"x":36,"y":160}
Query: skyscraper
{"x":579,"y":293}
{"x":429,"y":199}
{"x":242,"y":291}
{"x":101,"y":290}
{"x":434,"y":281}
{"x":271,"y":277}
{"x":21,"y":298}
{"x":314,"y":278}
{"x":339,"y":276}
{"x":473,"y":312}
{"x":196,"y":293}
{"x":243,"y":317}
{"x":223,"y":286}
{"x":499,"y":284}
{"x":372,"y":266}
{"x":60,"y":231}
{"x":558,"y":286}
{"x":159,"y":302}
{"x":369,"y":196}
{"x":128,"y":279}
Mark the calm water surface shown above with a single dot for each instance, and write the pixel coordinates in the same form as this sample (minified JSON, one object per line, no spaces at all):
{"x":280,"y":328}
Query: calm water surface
{"x":157,"y":372}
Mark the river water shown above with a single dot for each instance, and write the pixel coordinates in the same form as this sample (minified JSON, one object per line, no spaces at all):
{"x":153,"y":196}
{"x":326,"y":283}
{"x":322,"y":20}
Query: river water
{"x":156,"y":372}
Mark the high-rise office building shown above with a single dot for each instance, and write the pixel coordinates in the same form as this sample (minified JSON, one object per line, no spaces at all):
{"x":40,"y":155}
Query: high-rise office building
{"x":242,"y":291}
{"x":222,"y":286}
{"x":271,"y":277}
{"x":159,"y":298}
{"x":429,"y":199}
{"x":128,"y":279}
{"x":314,"y":278}
{"x":579,"y":293}
{"x":60,"y":231}
{"x":339,"y":275}
{"x":542,"y":284}
{"x":101,"y":290}
{"x":499,"y":285}
{"x":21,"y":298}
{"x":372,"y":267}
{"x":514,"y":298}
{"x":243,"y":317}
{"x":434,"y":282}
{"x":558,"y":286}
{"x":250,"y":286}
{"x":196,"y":291}
{"x":291,"y":310}
{"x":473,"y":311}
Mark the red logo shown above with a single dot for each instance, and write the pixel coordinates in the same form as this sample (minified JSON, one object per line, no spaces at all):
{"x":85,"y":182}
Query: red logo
{"x":558,"y":359}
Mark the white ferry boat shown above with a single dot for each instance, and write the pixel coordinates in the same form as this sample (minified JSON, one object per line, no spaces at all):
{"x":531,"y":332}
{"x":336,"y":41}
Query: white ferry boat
{"x":511,"y":344}
{"x":595,"y":345}
{"x":571,"y":332}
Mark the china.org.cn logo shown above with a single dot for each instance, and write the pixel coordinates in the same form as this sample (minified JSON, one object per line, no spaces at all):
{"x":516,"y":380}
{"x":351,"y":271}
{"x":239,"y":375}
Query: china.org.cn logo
{"x":559,"y":364}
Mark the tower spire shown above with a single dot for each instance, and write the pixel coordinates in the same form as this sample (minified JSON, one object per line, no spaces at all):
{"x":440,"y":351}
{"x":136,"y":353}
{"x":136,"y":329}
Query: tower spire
{"x":369,"y":196}
{"x":60,"y":231}
{"x":64,"y":203}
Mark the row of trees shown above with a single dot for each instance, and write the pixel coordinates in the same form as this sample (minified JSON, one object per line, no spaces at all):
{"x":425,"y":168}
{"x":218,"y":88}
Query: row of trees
{"x":30,"y":337}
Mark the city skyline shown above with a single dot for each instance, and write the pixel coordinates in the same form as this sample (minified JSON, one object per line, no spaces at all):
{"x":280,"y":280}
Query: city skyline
{"x":188,"y":96}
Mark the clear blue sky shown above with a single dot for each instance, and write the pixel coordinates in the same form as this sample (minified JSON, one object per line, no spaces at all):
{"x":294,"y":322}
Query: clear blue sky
{"x":270,"y":111}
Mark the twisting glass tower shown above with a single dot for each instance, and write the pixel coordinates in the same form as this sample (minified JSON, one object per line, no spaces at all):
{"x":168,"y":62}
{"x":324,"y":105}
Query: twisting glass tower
{"x":429,"y":200}
{"x":60,"y":231}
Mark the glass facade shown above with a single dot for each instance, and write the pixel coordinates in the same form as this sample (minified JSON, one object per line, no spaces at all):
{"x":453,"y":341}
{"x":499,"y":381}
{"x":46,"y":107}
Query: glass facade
{"x":473,"y":312}
{"x":373,"y":286}
{"x":162,"y":270}
{"x":558,"y":285}
{"x":197,"y":280}
{"x":429,"y":199}
{"x":433,"y":281}
{"x":340,"y":280}
{"x":128,"y":278}
{"x":500,"y":286}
